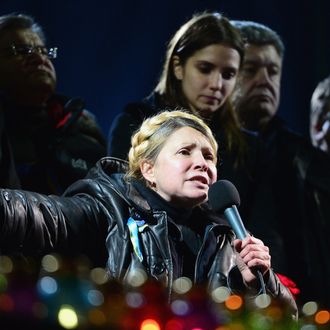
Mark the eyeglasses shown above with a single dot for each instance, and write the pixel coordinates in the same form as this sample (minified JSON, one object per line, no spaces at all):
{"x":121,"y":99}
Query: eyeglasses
{"x":25,"y":50}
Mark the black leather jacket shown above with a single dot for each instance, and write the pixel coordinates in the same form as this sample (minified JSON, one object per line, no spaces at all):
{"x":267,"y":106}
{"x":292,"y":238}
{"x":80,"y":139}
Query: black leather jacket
{"x":92,"y":218}
{"x":299,"y":176}
{"x":249,"y":177}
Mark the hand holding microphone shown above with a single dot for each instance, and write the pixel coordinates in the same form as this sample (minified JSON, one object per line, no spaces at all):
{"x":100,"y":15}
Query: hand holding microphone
{"x":253,"y":256}
{"x":253,"y":259}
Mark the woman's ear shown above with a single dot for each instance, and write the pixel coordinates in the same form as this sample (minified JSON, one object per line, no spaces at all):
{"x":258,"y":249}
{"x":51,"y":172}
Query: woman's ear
{"x":177,"y":67}
{"x":147,"y":171}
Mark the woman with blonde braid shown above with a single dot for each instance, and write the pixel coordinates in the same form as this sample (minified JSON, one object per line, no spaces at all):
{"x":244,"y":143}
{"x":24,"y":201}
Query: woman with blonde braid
{"x":201,"y":66}
{"x":150,"y":214}
{"x":199,"y":73}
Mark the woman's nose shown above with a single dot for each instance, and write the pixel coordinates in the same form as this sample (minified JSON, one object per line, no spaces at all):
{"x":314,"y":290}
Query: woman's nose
{"x":200,"y":162}
{"x":216,"y":81}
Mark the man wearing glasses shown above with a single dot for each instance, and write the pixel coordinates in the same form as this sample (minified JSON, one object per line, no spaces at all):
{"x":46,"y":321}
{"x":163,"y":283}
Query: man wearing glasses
{"x":47,"y":140}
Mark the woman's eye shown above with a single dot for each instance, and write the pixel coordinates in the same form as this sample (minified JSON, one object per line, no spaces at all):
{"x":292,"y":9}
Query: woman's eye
{"x":184,"y":152}
{"x":204,"y":68}
{"x":229,"y":74}
{"x":209,"y":157}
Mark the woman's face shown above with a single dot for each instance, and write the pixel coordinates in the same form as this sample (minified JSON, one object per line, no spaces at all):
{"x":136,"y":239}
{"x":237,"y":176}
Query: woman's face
{"x":208,"y":77}
{"x":184,"y":168}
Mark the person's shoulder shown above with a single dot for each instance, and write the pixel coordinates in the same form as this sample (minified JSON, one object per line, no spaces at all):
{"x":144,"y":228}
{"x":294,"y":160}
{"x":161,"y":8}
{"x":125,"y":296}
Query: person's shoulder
{"x":249,"y":134}
{"x":142,"y":108}
{"x":295,"y":141}
{"x":104,"y":183}
{"x":109,"y":170}
{"x":280,"y":127}
{"x":64,"y":111}
{"x":252,"y":138}
{"x":76,"y":119}
{"x":112,"y":165}
{"x":132,"y":115}
{"x":109,"y":174}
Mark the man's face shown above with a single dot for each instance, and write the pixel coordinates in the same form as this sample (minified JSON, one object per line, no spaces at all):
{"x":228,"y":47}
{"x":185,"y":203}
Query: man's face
{"x":24,"y":74}
{"x":257,"y":93}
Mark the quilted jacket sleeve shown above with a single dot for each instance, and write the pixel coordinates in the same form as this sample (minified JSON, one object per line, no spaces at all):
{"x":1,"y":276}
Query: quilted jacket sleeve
{"x":34,"y":224}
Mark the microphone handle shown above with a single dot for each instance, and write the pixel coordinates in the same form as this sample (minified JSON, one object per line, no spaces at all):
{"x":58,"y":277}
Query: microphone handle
{"x":233,"y":217}
{"x":235,"y":221}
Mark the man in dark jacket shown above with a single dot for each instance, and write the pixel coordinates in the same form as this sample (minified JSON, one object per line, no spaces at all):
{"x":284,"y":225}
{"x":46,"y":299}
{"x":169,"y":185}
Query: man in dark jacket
{"x":48,"y":141}
{"x":299,"y":175}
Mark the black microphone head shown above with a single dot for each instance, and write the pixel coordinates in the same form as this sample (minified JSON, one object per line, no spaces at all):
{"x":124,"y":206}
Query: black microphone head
{"x":223,"y":194}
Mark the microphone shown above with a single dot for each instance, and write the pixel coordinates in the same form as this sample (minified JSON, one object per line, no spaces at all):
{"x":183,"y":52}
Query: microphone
{"x":224,"y":198}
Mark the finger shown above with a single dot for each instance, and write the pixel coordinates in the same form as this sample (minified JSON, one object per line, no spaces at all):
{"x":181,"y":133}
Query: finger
{"x":251,"y":240}
{"x":254,"y":248}
{"x":261,"y":265}
{"x":256,"y":255}
{"x":237,"y":245}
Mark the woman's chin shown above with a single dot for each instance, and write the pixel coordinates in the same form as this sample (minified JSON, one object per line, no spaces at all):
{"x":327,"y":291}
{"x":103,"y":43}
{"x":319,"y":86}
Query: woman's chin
{"x":198,"y":199}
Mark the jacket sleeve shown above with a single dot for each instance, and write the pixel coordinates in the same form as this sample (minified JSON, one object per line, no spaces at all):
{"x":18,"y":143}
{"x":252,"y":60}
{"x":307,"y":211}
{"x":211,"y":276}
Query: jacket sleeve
{"x":274,"y":288}
{"x":279,"y":291}
{"x":35,"y":224}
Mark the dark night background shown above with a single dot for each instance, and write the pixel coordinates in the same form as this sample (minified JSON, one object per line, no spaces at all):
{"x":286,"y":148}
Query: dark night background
{"x":111,"y":52}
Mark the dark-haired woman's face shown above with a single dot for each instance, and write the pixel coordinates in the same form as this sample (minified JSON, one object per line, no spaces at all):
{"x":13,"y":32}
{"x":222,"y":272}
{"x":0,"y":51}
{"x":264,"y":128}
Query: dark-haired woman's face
{"x":208,"y":77}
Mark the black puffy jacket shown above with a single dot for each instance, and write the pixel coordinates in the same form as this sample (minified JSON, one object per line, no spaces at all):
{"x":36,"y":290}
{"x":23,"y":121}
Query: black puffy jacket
{"x":49,"y":147}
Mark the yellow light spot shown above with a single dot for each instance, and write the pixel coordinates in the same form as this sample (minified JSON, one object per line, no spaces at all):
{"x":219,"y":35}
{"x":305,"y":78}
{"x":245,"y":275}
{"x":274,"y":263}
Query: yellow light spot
{"x":310,"y":308}
{"x":262,"y":300}
{"x":6,"y":265}
{"x":137,"y":277}
{"x":322,"y":317}
{"x":50,"y":263}
{"x":234,"y":302}
{"x":149,"y":324}
{"x":182,"y":285}
{"x":67,"y":317}
{"x":99,"y":275}
{"x":220,"y":294}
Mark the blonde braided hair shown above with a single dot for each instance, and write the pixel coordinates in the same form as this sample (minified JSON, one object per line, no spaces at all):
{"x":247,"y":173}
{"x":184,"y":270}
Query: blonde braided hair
{"x":148,"y":141}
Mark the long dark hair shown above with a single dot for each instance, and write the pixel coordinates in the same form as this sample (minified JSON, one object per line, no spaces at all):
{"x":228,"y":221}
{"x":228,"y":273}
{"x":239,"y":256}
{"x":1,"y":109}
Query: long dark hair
{"x":200,"y":31}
